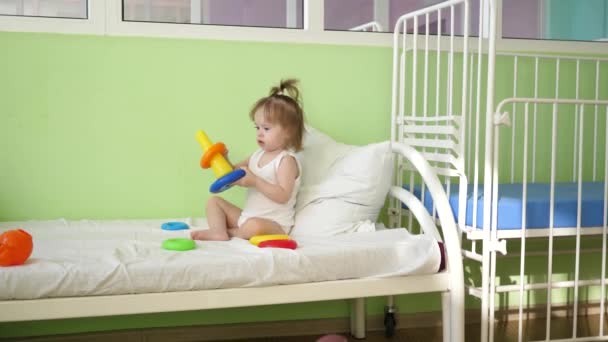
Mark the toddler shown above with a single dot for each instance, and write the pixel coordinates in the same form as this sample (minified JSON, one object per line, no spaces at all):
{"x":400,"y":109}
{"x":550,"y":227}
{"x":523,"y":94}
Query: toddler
{"x":272,"y":172}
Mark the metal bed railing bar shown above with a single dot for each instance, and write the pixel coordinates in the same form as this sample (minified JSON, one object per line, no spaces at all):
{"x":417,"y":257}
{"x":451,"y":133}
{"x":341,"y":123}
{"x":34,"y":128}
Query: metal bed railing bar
{"x":579,"y":113}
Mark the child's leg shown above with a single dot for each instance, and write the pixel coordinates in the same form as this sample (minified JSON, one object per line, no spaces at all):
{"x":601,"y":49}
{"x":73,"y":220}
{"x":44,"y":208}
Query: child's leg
{"x":256,"y":226}
{"x":221,"y":216}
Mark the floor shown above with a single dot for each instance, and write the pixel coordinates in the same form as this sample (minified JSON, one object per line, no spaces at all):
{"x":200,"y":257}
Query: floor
{"x":561,"y":328}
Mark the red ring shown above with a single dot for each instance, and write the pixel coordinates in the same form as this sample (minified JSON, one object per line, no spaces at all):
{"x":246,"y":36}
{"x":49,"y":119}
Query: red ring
{"x":210,"y":153}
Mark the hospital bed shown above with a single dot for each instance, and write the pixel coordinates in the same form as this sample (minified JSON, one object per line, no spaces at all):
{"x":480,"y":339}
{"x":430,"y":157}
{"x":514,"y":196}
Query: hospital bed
{"x":519,"y":141}
{"x":92,"y":268}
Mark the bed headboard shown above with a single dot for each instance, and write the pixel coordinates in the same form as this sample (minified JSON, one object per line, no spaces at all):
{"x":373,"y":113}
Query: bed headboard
{"x":430,"y":92}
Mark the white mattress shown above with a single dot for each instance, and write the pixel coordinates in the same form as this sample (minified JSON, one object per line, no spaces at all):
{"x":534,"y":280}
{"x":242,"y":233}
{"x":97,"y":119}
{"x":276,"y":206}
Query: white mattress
{"x":85,"y":258}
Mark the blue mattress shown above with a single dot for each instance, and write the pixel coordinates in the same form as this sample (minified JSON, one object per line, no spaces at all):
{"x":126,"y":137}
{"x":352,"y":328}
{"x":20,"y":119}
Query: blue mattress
{"x":510,"y":205}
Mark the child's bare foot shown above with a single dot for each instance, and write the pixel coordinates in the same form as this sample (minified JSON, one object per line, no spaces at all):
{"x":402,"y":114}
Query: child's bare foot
{"x":209,"y":235}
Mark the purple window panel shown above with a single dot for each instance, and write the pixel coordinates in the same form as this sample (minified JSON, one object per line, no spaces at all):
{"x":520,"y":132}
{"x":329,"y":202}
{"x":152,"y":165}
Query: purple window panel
{"x":265,"y":13}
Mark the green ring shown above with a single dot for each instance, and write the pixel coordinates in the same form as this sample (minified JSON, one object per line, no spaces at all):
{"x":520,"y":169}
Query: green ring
{"x":179,"y":244}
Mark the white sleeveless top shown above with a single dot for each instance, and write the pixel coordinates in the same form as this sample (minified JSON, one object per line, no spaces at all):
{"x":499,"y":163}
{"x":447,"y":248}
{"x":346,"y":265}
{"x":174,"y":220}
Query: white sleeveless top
{"x":258,"y":205}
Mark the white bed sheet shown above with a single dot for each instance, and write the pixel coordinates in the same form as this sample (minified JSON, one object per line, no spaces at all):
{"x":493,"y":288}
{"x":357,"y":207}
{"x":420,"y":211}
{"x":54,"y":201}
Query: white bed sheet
{"x":85,"y":258}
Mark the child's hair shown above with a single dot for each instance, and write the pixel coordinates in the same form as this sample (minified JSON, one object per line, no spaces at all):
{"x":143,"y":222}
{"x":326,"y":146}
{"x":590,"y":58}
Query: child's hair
{"x":283,"y":106}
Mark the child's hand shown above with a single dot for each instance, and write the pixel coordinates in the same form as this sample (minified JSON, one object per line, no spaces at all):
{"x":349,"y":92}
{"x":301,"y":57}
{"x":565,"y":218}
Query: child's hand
{"x":248,"y":180}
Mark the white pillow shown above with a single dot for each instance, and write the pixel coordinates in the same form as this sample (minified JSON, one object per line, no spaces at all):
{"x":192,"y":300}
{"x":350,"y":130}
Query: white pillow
{"x":343,"y":186}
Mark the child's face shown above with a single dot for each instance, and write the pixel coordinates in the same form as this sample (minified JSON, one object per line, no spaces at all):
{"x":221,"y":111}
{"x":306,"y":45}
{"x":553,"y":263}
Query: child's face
{"x":269,"y":136}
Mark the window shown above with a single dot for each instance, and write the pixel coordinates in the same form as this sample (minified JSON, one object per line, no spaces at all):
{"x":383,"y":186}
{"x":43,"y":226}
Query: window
{"x":541,"y":25}
{"x":381,"y":16}
{"x":556,"y":19}
{"x":75,"y":9}
{"x":259,"y":13}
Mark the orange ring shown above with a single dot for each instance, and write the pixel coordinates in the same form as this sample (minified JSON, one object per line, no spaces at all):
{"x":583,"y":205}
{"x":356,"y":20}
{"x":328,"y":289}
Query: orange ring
{"x":210,"y":153}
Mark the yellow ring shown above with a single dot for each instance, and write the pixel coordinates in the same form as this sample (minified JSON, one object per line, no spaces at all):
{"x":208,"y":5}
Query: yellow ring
{"x":255,"y":240}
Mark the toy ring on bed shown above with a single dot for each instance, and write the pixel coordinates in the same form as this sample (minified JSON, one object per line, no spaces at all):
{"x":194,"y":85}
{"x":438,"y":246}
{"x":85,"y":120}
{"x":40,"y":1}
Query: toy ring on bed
{"x":179,"y":244}
{"x":255,"y":240}
{"x":289,"y":244}
{"x":174,"y":226}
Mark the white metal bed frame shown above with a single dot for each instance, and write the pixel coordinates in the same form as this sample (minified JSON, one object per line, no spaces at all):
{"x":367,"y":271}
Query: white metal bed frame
{"x":462,"y":140}
{"x":372,"y":26}
{"x":450,"y":282}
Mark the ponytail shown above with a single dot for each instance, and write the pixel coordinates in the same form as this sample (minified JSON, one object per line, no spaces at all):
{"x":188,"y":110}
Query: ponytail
{"x":283,"y":105}
{"x":288,"y":88}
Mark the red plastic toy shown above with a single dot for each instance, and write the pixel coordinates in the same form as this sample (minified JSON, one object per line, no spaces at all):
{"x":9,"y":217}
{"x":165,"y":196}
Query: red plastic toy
{"x":291,"y":244}
{"x":15,"y":247}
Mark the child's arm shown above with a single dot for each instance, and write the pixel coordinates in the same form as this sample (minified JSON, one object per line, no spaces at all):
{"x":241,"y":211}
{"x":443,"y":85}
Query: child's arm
{"x":286,"y":178}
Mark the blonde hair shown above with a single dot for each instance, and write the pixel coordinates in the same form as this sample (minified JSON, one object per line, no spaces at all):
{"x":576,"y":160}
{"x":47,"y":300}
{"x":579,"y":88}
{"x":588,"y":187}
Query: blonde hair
{"x":283,"y":106}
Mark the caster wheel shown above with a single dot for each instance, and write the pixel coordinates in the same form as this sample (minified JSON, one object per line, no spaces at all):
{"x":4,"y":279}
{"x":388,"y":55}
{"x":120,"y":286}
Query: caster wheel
{"x":389,"y":324}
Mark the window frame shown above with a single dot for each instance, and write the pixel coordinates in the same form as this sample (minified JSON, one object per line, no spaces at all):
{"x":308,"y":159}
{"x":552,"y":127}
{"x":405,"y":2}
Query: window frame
{"x":105,"y":18}
{"x":94,"y":23}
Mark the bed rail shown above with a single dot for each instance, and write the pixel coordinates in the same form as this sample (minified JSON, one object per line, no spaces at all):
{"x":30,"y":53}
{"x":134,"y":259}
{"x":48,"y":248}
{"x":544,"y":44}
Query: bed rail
{"x":533,"y":85}
{"x":427,"y":125}
{"x":449,"y":230}
{"x":577,"y":116}
{"x":372,"y":26}
{"x":530,"y":76}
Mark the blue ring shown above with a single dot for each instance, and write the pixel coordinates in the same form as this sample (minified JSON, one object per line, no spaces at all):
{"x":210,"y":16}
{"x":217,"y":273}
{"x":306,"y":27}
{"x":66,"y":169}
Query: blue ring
{"x":174,"y":226}
{"x":225,"y":182}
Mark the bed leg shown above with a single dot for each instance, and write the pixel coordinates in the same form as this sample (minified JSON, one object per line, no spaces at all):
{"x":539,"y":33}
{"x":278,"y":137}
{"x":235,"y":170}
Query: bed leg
{"x":357,"y":317}
{"x":446,"y":315}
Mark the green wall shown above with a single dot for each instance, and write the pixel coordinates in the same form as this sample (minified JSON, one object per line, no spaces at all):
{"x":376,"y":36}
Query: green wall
{"x":103,"y":127}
